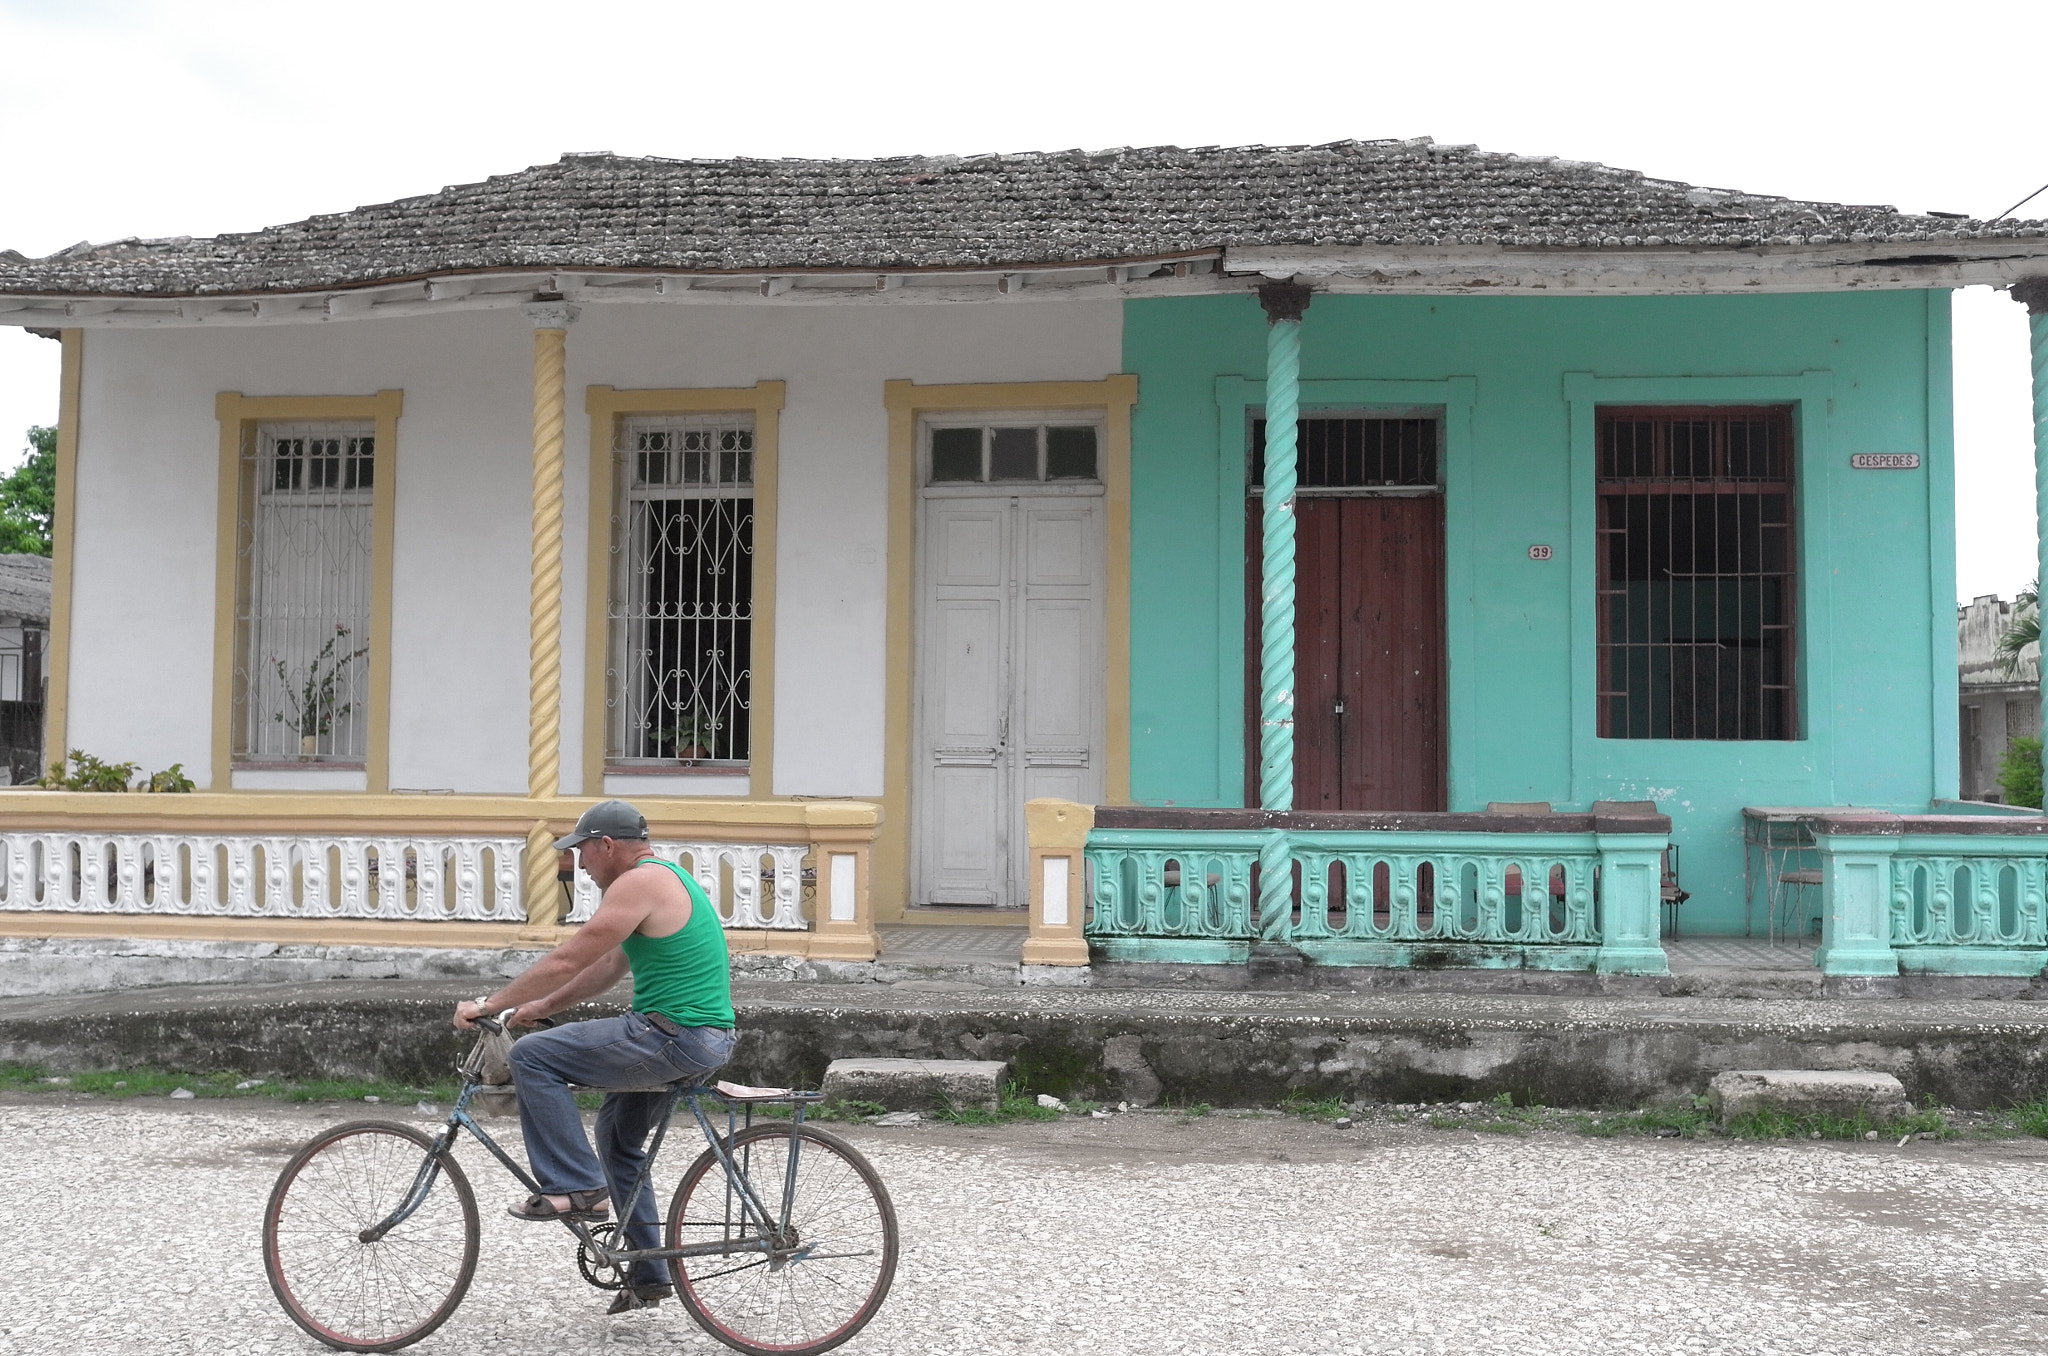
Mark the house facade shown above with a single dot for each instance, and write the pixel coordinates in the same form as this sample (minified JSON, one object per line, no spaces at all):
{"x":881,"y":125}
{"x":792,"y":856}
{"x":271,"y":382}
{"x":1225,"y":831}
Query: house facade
{"x":2000,"y":694}
{"x":835,"y":512}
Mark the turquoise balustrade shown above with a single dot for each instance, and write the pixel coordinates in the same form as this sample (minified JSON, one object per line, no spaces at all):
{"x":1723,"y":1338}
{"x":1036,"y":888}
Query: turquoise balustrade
{"x":1932,"y":894}
{"x":1387,"y":897}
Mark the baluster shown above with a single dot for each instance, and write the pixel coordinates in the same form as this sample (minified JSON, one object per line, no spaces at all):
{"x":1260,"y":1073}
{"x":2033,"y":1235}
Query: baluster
{"x":788,"y":882}
{"x":1152,"y":894}
{"x":430,"y":880}
{"x":19,"y":893}
{"x":1105,"y":877}
{"x":2032,"y":898}
{"x":1315,"y":893}
{"x":467,"y":877}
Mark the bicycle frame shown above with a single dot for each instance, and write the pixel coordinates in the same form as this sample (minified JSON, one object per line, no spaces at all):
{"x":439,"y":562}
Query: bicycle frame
{"x":768,"y":1230}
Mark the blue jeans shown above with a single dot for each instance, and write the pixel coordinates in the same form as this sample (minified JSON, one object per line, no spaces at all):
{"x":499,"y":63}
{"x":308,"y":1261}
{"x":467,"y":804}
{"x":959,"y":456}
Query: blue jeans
{"x":610,"y":1052}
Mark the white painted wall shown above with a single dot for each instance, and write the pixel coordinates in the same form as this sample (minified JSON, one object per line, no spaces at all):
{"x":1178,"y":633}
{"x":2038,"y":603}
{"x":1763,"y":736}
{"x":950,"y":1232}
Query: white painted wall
{"x":142,"y":602}
{"x":141,"y":676}
{"x":831,"y":561}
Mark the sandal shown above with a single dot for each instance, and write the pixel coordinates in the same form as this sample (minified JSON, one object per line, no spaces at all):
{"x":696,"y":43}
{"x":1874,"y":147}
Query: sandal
{"x":640,"y":1297}
{"x":582,"y":1205}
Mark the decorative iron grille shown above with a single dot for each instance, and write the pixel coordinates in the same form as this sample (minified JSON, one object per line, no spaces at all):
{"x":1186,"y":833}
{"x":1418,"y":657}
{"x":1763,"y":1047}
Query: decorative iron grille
{"x":1695,"y":567}
{"x":304,"y":544}
{"x":679,"y":682}
{"x":1355,"y":453}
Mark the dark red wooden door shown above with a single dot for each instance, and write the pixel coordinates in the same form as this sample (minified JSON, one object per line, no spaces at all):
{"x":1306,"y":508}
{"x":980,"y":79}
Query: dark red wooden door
{"x":1369,"y":653}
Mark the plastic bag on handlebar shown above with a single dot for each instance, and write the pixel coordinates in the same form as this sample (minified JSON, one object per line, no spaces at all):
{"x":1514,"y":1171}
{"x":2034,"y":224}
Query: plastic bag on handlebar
{"x":490,"y":1062}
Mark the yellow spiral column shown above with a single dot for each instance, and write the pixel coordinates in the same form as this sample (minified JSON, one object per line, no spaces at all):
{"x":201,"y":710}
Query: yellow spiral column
{"x":551,"y":320}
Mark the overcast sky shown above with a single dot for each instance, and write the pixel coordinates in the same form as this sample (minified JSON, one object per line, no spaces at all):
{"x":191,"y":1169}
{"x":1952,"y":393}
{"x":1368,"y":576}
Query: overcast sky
{"x":134,"y":117}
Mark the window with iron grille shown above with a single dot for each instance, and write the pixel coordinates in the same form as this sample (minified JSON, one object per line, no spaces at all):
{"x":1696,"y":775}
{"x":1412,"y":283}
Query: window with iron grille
{"x":1356,"y":453}
{"x":304,"y":543}
{"x":1695,"y":568}
{"x":682,"y":595}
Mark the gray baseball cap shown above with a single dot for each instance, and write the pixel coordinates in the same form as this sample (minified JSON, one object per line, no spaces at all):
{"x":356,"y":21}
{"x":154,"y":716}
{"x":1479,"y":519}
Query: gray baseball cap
{"x":607,"y":819}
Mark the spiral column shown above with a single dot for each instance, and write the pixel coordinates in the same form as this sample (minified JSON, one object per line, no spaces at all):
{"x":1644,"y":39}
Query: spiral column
{"x":551,"y":321}
{"x":1284,"y":304}
{"x":2033,"y":293}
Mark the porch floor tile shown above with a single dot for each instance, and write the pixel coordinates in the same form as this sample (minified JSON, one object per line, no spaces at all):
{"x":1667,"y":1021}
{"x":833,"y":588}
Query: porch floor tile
{"x":1687,"y":954}
{"x":962,"y":945}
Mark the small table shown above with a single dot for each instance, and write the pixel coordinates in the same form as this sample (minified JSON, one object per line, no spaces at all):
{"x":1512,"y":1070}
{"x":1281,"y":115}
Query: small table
{"x":1772,"y":836}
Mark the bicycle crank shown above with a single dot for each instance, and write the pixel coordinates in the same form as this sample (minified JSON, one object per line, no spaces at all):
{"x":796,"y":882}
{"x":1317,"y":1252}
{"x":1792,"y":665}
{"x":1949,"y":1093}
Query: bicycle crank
{"x":595,"y":1269}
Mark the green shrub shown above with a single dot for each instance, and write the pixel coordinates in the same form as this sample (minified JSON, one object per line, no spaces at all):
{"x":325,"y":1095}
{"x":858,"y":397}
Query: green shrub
{"x":88,"y":773}
{"x":2019,"y":772}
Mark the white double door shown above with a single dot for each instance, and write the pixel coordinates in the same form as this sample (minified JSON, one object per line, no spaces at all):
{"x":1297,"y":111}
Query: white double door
{"x":1010,"y":682}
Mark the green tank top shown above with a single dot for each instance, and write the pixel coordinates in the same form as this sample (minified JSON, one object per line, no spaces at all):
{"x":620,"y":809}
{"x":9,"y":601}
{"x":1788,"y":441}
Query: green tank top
{"x":685,"y":976}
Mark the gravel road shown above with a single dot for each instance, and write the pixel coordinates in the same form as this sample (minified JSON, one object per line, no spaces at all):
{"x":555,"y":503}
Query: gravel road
{"x":1150,"y":1233}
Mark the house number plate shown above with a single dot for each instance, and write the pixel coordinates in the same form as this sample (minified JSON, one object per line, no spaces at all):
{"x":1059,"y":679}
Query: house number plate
{"x":1539,"y":553}
{"x":1885,"y":461}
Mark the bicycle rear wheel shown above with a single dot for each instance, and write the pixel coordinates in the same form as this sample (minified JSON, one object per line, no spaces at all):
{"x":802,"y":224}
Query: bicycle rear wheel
{"x":369,"y":1296}
{"x":811,"y":1284}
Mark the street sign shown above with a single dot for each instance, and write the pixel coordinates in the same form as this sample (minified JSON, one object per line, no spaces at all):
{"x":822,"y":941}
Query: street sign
{"x":1885,"y":461}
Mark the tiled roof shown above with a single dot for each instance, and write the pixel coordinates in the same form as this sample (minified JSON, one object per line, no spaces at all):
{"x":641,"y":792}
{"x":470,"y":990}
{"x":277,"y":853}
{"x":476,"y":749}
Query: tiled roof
{"x":600,"y":212}
{"x":25,"y":587}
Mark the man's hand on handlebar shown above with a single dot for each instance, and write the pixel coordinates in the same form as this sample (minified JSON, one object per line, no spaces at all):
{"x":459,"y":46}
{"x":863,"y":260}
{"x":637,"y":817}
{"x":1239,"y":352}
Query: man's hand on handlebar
{"x":467,"y":1013}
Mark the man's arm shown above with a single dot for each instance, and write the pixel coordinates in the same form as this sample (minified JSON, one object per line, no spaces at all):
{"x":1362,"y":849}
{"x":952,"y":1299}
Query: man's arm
{"x":595,"y":979}
{"x":622,"y":909}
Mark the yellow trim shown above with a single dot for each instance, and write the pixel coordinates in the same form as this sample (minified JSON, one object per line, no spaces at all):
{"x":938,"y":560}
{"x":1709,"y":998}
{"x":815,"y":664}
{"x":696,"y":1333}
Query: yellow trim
{"x":368,"y":932}
{"x":606,"y":405}
{"x":907,"y":402}
{"x":238,"y":414}
{"x":63,"y":513}
{"x":366,"y":814}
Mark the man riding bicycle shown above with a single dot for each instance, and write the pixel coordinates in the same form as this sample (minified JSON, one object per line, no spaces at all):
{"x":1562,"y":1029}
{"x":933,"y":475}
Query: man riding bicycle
{"x":660,"y":925}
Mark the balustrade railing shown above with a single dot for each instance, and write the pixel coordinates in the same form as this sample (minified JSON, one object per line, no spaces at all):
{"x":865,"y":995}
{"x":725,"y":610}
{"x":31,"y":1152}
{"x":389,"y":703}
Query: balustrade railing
{"x":411,"y":879}
{"x":1543,"y":891}
{"x":782,"y":876}
{"x":752,"y":885}
{"x":1935,"y":894}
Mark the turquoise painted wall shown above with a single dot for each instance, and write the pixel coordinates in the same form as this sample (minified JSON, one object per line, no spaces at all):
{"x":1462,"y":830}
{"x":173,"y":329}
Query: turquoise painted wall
{"x":1519,"y":377}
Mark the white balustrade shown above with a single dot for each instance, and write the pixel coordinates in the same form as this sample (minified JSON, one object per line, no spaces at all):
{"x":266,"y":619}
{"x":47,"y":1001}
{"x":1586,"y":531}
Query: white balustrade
{"x":767,"y":882}
{"x":405,"y":878}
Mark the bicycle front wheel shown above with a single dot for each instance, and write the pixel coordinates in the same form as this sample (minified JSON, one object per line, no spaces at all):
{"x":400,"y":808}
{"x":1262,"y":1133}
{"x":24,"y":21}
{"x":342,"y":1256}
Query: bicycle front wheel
{"x":352,"y":1293}
{"x":818,"y":1276}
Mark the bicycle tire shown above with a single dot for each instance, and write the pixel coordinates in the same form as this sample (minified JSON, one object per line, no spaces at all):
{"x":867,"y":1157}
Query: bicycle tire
{"x":358,"y":1296}
{"x":840,"y":1213}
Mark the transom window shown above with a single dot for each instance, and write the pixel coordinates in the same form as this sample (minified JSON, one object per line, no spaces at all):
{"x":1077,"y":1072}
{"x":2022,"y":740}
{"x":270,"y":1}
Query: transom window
{"x":994,"y":454}
{"x":304,"y":543}
{"x":682,"y":596}
{"x":1695,"y":567}
{"x":1356,"y":453}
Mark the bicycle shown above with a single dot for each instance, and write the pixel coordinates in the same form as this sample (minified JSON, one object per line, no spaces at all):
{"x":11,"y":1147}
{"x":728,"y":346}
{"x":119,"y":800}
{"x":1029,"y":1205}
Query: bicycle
{"x":780,"y":1238}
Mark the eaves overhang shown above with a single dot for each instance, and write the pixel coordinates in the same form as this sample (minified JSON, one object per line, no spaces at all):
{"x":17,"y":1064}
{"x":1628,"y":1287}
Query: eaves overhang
{"x":1412,"y":270}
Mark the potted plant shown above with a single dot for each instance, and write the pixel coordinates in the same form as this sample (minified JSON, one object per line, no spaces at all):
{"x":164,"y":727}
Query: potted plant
{"x":690,"y":734}
{"x":310,"y":708}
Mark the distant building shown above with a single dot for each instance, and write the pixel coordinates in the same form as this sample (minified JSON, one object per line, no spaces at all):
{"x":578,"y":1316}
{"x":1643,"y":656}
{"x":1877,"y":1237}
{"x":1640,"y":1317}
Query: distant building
{"x":1999,"y":702}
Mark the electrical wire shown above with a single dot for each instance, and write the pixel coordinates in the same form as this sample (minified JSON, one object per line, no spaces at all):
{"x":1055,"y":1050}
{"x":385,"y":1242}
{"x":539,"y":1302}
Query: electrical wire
{"x":2021,"y":203}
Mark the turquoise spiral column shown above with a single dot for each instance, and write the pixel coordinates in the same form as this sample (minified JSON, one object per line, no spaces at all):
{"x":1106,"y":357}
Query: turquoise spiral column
{"x":2033,"y":294}
{"x":1284,"y":304}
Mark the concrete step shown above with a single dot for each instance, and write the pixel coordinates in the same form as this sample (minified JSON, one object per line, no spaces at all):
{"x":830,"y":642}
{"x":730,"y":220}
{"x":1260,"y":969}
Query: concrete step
{"x":1847,"y":1093}
{"x":915,"y":1084}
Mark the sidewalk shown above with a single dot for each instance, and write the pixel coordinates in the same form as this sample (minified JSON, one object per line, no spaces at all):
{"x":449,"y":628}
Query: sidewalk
{"x":1226,"y":1047}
